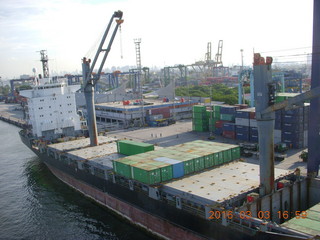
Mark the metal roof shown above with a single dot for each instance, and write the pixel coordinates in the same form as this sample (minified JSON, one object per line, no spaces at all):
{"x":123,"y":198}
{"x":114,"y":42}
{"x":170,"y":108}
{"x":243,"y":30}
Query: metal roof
{"x":220,"y":184}
{"x":118,"y":106}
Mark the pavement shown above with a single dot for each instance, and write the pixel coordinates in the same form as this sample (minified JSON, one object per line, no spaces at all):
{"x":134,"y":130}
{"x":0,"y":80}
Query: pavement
{"x":12,"y":110}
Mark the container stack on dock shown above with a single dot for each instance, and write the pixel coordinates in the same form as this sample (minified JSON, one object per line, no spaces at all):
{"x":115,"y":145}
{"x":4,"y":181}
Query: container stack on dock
{"x":238,"y":122}
{"x":176,"y":161}
{"x":199,"y":119}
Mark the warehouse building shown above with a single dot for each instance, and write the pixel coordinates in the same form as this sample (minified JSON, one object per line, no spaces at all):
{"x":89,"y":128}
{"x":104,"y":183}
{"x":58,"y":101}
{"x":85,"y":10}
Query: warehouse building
{"x":134,"y":113}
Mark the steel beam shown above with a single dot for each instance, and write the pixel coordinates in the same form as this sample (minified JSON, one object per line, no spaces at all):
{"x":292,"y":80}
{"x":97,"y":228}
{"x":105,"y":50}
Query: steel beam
{"x":314,"y":117}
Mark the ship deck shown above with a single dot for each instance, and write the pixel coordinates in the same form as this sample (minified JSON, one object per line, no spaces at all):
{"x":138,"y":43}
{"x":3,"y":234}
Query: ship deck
{"x":220,"y":184}
{"x":78,"y":144}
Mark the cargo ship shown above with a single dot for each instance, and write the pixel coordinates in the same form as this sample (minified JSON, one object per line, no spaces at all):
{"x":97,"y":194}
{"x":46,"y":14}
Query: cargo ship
{"x":195,"y":190}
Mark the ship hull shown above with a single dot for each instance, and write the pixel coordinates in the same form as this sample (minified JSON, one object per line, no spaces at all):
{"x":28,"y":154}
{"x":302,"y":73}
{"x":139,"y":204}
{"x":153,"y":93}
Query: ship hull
{"x":157,"y":217}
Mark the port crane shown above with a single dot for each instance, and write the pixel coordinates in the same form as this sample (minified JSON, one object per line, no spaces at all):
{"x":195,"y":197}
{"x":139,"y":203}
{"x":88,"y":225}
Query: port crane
{"x":264,"y":93}
{"x":90,"y":79}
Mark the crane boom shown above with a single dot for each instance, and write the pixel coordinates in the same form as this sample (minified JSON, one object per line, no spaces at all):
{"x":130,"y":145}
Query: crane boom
{"x":90,"y":80}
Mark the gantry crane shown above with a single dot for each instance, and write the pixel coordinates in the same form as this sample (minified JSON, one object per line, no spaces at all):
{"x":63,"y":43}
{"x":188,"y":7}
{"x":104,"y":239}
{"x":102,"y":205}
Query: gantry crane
{"x":91,"y":79}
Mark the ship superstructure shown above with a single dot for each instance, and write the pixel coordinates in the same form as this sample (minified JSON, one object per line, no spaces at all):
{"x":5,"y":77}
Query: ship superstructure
{"x":51,"y":109}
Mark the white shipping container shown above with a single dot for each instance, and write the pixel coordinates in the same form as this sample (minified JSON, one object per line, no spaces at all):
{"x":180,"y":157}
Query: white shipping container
{"x":253,"y":123}
{"x":242,"y":121}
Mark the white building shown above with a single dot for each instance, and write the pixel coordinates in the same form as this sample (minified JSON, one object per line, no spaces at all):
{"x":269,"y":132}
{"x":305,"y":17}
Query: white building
{"x":52,"y":109}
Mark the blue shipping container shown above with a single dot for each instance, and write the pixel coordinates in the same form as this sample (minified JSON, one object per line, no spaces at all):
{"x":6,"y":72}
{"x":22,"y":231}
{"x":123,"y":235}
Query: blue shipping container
{"x":297,"y":111}
{"x":228,"y":127}
{"x":177,"y":166}
{"x":292,"y":127}
{"x":292,"y":136}
{"x":277,"y":125}
{"x":254,"y":138}
{"x":242,"y":114}
{"x":242,"y":129}
{"x":292,"y":118}
{"x":228,"y":110}
{"x":218,"y":131}
{"x":278,"y":113}
{"x":243,"y":136}
{"x":254,"y":130}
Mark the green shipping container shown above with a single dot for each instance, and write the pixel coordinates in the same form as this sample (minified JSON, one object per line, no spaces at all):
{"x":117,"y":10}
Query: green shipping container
{"x":123,"y":168}
{"x":200,"y":122}
{"x":216,"y":157}
{"x":216,"y":108}
{"x":198,"y":164}
{"x":235,"y":153}
{"x":166,"y":170}
{"x":146,"y":173}
{"x":200,"y":128}
{"x":199,"y":115}
{"x":209,"y":162}
{"x":199,"y":108}
{"x":129,"y":148}
{"x":227,"y":155}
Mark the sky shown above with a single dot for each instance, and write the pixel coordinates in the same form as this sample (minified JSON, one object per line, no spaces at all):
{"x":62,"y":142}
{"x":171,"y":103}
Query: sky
{"x":171,"y":31}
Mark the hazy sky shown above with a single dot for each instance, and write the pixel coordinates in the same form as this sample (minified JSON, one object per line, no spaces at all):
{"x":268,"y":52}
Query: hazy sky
{"x":171,"y":31}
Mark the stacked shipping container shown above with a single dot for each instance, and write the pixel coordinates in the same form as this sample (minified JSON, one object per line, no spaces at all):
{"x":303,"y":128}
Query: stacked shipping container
{"x":237,"y":122}
{"x":199,"y":119}
{"x":174,"y":162}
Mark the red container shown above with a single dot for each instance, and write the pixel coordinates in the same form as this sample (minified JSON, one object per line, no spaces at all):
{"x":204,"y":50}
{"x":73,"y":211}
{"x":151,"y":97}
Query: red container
{"x":166,"y":115}
{"x":229,"y":134}
{"x":218,"y":124}
{"x":252,"y":115}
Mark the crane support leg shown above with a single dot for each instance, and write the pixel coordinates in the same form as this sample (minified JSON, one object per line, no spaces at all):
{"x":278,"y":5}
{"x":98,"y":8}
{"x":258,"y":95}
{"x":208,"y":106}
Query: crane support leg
{"x":92,"y":123}
{"x":265,"y":123}
{"x":314,"y":117}
{"x":89,"y":96}
{"x":266,"y":156}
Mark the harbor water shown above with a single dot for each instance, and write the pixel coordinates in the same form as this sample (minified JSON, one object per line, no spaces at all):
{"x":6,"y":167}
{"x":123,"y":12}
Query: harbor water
{"x":34,"y":204}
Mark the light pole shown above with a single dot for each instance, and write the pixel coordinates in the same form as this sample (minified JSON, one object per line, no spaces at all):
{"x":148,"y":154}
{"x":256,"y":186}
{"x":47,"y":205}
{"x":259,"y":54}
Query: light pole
{"x":241,"y":50}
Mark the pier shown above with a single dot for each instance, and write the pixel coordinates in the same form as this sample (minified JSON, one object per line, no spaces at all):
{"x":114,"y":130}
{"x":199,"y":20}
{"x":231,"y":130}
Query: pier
{"x":13,"y":114}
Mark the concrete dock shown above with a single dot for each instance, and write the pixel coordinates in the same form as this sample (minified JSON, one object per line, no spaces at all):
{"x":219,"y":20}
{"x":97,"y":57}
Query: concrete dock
{"x":13,"y":114}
